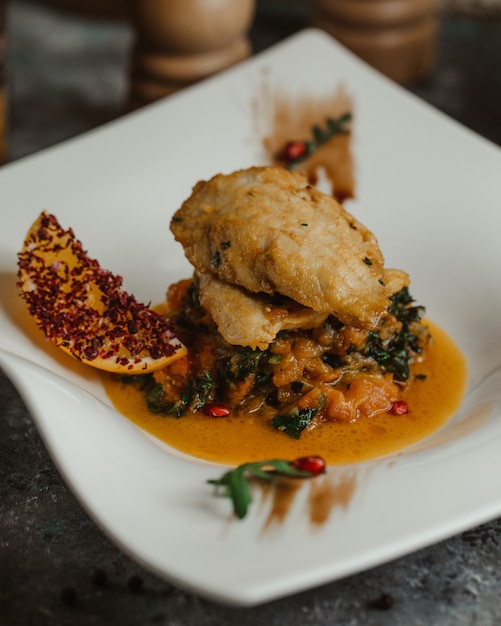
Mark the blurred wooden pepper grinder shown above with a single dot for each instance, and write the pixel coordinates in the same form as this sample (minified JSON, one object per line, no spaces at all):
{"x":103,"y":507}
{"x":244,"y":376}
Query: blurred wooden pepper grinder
{"x":179,"y":42}
{"x":397,"y":37}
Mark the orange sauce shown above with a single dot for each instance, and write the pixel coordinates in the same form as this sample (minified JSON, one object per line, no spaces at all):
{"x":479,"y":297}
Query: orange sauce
{"x":234,"y":440}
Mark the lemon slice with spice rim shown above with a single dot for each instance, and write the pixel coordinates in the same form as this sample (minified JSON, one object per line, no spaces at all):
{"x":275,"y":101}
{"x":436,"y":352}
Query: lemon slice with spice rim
{"x":83,"y":308}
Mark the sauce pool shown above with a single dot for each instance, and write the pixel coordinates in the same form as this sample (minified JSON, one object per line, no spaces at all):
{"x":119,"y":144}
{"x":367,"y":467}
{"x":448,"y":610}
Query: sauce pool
{"x":433,"y":398}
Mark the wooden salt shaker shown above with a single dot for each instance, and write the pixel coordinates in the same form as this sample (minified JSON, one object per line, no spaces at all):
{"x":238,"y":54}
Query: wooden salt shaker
{"x":397,"y":37}
{"x":179,"y":42}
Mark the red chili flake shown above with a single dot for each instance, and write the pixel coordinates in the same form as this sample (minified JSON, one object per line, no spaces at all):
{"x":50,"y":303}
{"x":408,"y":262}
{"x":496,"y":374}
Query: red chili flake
{"x":90,"y":353}
{"x":155,"y":352}
{"x":293,"y":150}
{"x":400,"y":407}
{"x":315,"y":465}
{"x":216,"y":410}
{"x":43,"y":233}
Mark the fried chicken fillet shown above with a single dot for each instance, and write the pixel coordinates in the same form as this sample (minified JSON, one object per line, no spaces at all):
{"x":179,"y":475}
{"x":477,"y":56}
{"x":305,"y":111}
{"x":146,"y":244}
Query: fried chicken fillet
{"x":262,"y":315}
{"x":268,"y":231}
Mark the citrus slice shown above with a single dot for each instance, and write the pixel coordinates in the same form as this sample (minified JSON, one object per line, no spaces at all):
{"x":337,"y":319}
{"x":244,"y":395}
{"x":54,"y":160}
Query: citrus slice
{"x":83,"y":308}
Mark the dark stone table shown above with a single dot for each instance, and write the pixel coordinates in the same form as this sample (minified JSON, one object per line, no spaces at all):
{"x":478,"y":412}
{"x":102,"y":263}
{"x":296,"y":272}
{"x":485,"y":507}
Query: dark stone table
{"x":56,"y":567}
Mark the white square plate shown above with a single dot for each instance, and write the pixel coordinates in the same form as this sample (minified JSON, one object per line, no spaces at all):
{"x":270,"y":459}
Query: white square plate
{"x":431,"y":192}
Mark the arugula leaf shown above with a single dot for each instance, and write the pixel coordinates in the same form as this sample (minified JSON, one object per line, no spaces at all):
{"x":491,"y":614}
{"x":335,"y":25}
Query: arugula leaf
{"x":238,"y":489}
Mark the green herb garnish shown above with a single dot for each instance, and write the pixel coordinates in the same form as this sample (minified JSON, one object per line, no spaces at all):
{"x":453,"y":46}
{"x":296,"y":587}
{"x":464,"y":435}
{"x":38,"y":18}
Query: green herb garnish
{"x":236,"y":486}
{"x":302,"y":150}
{"x":294,"y":422}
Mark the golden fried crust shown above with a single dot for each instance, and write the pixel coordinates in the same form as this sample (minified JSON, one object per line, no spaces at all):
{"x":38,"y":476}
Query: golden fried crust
{"x":268,"y":230}
{"x":247,"y":319}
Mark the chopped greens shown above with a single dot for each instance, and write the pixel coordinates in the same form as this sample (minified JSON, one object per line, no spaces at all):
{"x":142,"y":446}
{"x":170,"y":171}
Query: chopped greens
{"x":294,"y":422}
{"x":392,"y":356}
{"x":245,"y":379}
{"x":194,"y":398}
{"x":400,"y":308}
{"x":154,"y":395}
{"x":200,"y":391}
{"x":395,"y":353}
{"x":158,"y":405}
{"x":245,"y":362}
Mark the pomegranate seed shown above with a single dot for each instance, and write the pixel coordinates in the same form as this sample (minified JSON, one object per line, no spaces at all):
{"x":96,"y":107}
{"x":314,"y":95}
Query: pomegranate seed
{"x":315,"y":465}
{"x":400,"y":407}
{"x":216,"y":410}
{"x":293,"y":150}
